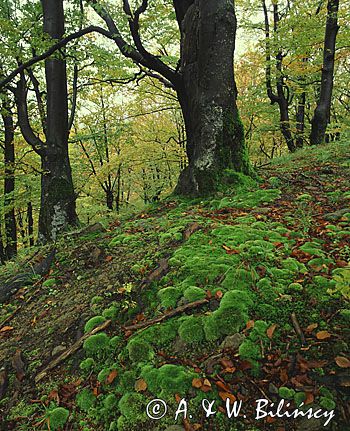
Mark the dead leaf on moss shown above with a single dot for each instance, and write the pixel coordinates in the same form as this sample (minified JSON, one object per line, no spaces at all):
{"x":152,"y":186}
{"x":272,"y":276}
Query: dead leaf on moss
{"x":342,"y":362}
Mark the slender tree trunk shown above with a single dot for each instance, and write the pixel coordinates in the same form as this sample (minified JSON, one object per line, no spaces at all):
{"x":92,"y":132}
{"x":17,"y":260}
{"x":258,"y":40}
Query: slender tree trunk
{"x":207,"y":95}
{"x":30,"y":223}
{"x":9,"y":182}
{"x":279,"y":98}
{"x":118,"y":193}
{"x":57,"y":192}
{"x":300,"y":120}
{"x":321,"y":116}
{"x":2,"y":250}
{"x":109,"y":199}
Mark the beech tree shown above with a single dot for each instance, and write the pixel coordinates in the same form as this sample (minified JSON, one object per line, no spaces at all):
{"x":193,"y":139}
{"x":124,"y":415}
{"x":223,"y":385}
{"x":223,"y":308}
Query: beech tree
{"x":322,"y":113}
{"x":204,"y":83}
{"x":10,"y":234}
{"x":57,"y":208}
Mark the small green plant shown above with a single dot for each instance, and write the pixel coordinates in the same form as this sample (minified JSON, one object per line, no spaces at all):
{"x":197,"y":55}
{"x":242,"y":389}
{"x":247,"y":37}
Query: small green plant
{"x":93,"y":323}
{"x":191,"y":330}
{"x":140,"y":351}
{"x":341,"y":276}
{"x":57,"y":418}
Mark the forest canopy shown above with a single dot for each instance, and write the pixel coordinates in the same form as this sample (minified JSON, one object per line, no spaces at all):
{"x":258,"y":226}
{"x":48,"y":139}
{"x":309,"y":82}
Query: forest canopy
{"x":109,"y":105}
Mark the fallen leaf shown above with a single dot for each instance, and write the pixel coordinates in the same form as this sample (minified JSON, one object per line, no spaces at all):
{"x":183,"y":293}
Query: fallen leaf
{"x":140,"y":385}
{"x":271,"y":331}
{"x":197,"y":383}
{"x":250,"y":324}
{"x":6,"y":329}
{"x":111,"y":377}
{"x":270,"y":420}
{"x":53,"y":396}
{"x":226,"y":395}
{"x":108,"y":258}
{"x":206,"y":386}
{"x":222,"y":386}
{"x":309,"y":398}
{"x":342,"y":362}
{"x":323,"y":335}
{"x":219,"y":294}
{"x":311,"y":327}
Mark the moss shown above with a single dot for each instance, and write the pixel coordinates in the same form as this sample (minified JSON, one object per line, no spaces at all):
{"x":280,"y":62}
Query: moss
{"x":249,"y":350}
{"x":293,"y":265}
{"x":191,"y":330}
{"x":239,"y":279}
{"x":325,"y":392}
{"x":169,"y":296}
{"x":96,"y":345}
{"x":140,"y":351}
{"x":237,"y":298}
{"x":226,"y":320}
{"x":194,"y":293}
{"x":50,"y":282}
{"x":295,"y":287}
{"x":127,"y":380}
{"x":286,"y":393}
{"x":320,"y":263}
{"x":87,"y":364}
{"x":327,"y":403}
{"x":110,"y":402}
{"x":86,"y":400}
{"x":58,"y":418}
{"x":168,"y":380}
{"x":162,"y":334}
{"x":312,"y":248}
{"x":93,"y":323}
{"x":131,"y":405}
{"x":96,"y":300}
{"x":299,"y":398}
{"x":110,"y":312}
{"x":115,"y":342}
{"x":259,"y":330}
{"x":105,"y":372}
{"x":345,"y":315}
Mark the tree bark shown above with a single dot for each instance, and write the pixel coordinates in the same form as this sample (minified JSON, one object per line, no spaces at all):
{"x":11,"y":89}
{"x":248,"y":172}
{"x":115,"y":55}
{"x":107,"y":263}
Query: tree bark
{"x":57,"y":192}
{"x":321,"y":116}
{"x":205,"y":86}
{"x":30,"y":223}
{"x":9,"y":182}
{"x":300,"y":120}
{"x":207,"y":94}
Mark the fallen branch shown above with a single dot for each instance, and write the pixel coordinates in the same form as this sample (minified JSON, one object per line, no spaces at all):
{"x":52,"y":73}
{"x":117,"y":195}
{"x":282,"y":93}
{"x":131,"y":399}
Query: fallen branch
{"x":67,"y":353}
{"x":167,"y":316}
{"x":298,"y":330}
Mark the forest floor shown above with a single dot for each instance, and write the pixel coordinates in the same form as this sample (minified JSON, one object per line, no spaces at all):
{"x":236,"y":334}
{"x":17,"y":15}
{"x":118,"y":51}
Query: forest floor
{"x":240,"y":297}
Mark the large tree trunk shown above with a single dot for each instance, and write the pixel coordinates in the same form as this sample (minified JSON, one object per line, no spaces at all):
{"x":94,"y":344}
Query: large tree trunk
{"x":322,"y":112}
{"x":9,"y":182}
{"x":57,"y":193}
{"x":207,"y":94}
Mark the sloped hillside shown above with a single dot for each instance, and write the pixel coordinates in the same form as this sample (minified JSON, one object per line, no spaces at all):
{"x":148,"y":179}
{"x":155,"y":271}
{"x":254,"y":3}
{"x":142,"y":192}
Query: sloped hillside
{"x":241,"y":297}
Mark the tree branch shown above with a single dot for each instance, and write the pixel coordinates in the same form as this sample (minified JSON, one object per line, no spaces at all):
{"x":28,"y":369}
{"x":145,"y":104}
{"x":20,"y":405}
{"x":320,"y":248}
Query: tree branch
{"x":53,"y":49}
{"x":270,"y":92}
{"x":23,"y":119}
{"x":74,"y":98}
{"x":139,"y":55}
